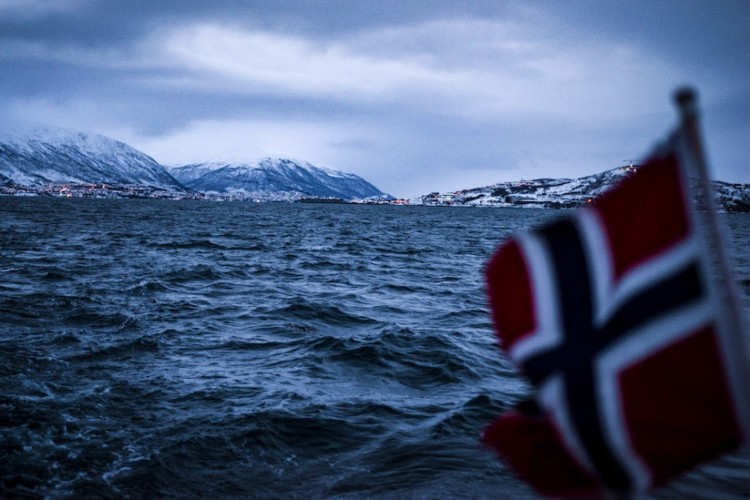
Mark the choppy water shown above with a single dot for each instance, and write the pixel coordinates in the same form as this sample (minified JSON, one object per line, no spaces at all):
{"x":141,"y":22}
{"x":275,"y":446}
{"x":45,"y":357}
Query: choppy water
{"x":161,"y":348}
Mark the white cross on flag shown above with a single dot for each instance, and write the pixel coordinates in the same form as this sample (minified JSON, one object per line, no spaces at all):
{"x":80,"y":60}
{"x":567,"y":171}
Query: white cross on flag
{"x":613,"y":313}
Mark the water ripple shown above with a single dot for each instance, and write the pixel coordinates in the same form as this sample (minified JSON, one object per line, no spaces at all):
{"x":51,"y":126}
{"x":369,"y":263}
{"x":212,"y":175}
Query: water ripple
{"x":187,"y":349}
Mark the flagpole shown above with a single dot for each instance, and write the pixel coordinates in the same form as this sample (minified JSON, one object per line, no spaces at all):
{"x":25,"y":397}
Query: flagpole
{"x":687,"y":102}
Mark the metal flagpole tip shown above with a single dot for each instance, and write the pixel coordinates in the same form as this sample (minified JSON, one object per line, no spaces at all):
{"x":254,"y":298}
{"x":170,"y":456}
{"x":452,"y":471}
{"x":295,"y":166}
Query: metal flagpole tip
{"x":686,"y":99}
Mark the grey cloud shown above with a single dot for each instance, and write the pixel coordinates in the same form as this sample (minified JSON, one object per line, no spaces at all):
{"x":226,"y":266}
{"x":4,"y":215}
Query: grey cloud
{"x":404,"y":92}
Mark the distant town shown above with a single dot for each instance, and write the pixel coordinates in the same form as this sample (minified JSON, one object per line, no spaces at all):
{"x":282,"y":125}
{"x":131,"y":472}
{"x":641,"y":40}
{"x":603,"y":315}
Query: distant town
{"x":539,"y":193}
{"x":107,"y":190}
{"x":54,"y":162}
{"x":95,"y":190}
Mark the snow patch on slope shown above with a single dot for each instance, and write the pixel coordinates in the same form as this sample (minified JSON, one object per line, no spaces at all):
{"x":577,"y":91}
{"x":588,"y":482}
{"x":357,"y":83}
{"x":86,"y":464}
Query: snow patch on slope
{"x":35,"y":155}
{"x":274,"y":179}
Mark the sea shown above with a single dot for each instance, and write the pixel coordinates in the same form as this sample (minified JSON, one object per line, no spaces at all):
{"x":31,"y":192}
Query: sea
{"x":189,"y":349}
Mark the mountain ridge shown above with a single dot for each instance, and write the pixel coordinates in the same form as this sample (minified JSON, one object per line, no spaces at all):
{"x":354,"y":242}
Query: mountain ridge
{"x":41,"y":159}
{"x":37,"y":155}
{"x":274,"y":179}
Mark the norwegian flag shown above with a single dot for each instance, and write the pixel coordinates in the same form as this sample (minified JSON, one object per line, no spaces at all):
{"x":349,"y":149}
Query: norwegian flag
{"x":614,"y":317}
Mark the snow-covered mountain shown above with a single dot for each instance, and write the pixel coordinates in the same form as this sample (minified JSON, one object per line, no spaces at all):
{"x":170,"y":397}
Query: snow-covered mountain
{"x":561,"y":193}
{"x":732,"y":197}
{"x":36,"y":155}
{"x":274,"y":179}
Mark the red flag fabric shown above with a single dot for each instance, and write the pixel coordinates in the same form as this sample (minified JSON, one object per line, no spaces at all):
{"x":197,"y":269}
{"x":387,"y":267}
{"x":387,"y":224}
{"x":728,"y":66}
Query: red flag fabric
{"x":613,"y":316}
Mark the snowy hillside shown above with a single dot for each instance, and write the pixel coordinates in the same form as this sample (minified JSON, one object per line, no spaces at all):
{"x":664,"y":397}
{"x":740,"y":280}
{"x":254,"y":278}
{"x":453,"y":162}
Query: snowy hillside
{"x":274,"y":179}
{"x":34,"y":156}
{"x":562,"y":193}
{"x":732,"y":197}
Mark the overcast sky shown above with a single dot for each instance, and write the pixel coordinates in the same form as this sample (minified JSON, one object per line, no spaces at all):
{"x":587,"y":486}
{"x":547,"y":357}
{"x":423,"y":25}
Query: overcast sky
{"x":415,"y":96}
